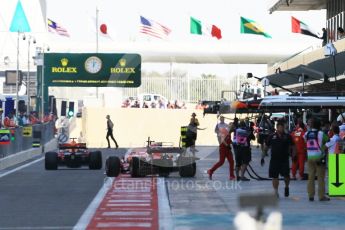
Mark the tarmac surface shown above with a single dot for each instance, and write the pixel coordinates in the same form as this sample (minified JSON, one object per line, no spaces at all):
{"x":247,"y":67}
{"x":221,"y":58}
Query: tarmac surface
{"x":33,"y":198}
{"x":199,"y":203}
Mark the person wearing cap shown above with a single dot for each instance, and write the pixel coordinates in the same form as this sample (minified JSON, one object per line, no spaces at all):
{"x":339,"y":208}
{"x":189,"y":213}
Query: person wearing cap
{"x":110,"y":126}
{"x":192,"y":131}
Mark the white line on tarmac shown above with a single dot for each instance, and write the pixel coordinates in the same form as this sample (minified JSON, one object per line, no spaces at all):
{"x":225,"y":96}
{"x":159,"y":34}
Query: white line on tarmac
{"x":20,"y":167}
{"x":85,"y":219}
{"x":164,"y":213}
{"x":36,"y":228}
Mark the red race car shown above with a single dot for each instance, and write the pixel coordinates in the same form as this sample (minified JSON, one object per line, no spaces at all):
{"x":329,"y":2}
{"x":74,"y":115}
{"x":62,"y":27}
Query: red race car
{"x":157,"y":158}
{"x":73,"y":155}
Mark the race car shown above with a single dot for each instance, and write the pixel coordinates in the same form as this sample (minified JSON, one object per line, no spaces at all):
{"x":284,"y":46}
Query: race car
{"x":156,"y":158}
{"x":73,"y":155}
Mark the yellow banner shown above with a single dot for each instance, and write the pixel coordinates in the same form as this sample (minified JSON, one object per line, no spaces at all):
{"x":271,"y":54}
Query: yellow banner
{"x":27,"y":131}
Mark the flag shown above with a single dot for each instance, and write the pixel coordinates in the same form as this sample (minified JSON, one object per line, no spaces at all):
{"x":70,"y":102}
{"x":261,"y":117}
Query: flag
{"x":198,"y":27}
{"x":300,"y":27}
{"x":19,"y":21}
{"x":249,"y":26}
{"x":53,"y":27}
{"x":103,"y":31}
{"x":153,"y":28}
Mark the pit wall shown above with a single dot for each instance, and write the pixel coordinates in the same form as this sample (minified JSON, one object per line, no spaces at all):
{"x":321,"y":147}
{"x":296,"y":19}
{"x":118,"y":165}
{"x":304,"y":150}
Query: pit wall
{"x":22,"y":143}
{"x":133,"y":126}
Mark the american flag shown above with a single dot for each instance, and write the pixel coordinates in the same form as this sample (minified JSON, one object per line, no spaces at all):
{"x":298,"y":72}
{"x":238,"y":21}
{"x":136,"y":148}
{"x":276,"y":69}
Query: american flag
{"x":53,"y":27}
{"x":153,"y":28}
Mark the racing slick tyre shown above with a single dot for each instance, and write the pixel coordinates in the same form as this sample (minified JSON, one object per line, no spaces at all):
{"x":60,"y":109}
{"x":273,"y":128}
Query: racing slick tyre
{"x":95,"y":161}
{"x":164,"y":167}
{"x":135,"y":167}
{"x":187,"y":170}
{"x":112,"y":166}
{"x":194,"y":169}
{"x":51,"y":161}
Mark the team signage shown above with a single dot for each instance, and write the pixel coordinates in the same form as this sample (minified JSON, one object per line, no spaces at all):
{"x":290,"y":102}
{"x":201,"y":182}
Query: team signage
{"x":5,"y":137}
{"x":336,"y":177}
{"x":27,"y":131}
{"x":92,"y":70}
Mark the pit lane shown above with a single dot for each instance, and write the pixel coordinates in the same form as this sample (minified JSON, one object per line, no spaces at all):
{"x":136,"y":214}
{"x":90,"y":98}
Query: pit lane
{"x":33,"y":198}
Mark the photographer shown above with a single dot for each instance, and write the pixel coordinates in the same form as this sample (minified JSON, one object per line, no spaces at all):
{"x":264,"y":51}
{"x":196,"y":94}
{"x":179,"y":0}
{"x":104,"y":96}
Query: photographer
{"x":315,"y":140}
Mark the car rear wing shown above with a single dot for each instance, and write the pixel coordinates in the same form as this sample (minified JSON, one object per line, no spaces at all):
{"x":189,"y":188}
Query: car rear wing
{"x":157,"y":149}
{"x":69,"y":146}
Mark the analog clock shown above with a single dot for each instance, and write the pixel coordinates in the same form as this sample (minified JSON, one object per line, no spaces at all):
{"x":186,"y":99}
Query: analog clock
{"x":93,"y":64}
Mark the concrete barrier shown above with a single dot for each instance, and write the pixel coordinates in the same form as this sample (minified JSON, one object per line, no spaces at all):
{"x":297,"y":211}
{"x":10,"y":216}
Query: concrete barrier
{"x":50,"y":146}
{"x":133,"y":126}
{"x":25,"y":155}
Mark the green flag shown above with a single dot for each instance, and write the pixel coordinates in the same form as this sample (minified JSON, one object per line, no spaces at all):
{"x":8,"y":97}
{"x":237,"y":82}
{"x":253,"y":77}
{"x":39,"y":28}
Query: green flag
{"x":249,"y":26}
{"x":195,"y":26}
{"x":19,"y":21}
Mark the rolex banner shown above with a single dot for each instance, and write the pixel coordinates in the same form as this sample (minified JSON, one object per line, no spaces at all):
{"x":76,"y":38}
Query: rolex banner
{"x":92,"y":70}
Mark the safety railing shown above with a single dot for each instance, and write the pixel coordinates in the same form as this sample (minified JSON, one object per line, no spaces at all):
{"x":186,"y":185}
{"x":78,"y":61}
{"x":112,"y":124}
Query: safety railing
{"x":18,"y":139}
{"x":184,"y":89}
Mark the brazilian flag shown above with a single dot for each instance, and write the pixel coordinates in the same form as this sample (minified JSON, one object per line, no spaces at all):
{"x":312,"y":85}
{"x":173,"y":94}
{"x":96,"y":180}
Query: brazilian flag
{"x":249,"y":26}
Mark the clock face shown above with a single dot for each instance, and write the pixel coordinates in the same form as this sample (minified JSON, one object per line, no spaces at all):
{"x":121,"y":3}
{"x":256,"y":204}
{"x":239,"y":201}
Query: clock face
{"x":93,"y":64}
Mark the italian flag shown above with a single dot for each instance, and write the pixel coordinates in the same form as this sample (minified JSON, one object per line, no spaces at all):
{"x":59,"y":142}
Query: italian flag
{"x":301,"y":28}
{"x":198,"y":27}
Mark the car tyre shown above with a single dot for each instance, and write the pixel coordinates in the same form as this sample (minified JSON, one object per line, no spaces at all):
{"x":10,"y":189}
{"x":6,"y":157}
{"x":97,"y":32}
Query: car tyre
{"x":51,"y":161}
{"x":135,"y":167}
{"x":112,"y":166}
{"x":188,"y":170}
{"x":165,"y":167}
{"x":95,"y":161}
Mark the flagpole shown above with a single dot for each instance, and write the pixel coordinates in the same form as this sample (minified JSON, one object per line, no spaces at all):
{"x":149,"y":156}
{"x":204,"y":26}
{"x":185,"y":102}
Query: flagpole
{"x":17,"y":76}
{"x":171,"y":82}
{"x":28,"y":80}
{"x":97,"y":11}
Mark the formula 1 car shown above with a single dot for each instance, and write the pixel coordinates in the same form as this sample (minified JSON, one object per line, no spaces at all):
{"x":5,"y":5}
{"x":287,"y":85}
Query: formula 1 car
{"x":73,"y":155}
{"x":157,"y":158}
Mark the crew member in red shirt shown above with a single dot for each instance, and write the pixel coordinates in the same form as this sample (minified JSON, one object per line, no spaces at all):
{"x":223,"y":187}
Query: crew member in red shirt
{"x":301,"y":153}
{"x":224,"y":152}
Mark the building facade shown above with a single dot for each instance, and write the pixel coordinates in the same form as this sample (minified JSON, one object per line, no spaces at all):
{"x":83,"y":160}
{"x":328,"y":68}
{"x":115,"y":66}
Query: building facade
{"x":335,"y":17}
